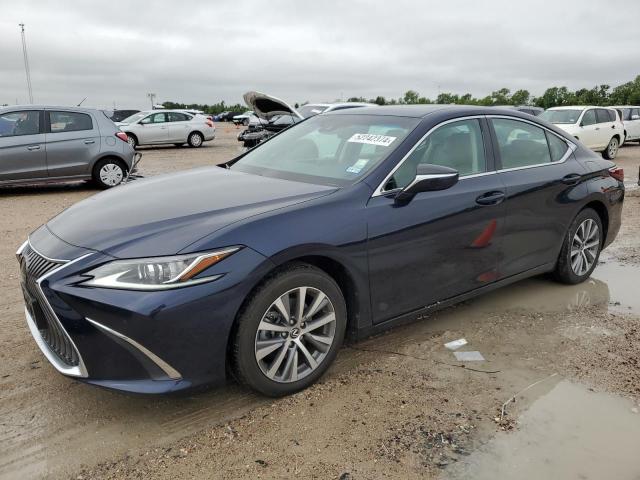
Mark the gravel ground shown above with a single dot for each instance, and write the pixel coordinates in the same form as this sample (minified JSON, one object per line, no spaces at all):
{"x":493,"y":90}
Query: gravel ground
{"x":394,"y":406}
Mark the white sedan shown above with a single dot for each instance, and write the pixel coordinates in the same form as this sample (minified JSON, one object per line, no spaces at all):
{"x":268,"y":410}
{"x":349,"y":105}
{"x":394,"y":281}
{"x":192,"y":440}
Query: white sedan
{"x":167,"y":126}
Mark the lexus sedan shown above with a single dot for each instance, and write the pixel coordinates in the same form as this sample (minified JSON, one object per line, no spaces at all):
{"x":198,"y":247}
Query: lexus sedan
{"x":167,"y":126}
{"x":45,"y":144}
{"x":339,"y":227}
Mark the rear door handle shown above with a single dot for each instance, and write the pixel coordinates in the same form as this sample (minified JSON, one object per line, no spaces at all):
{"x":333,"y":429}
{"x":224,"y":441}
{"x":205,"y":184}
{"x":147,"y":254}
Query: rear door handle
{"x":571,"y":179}
{"x":597,"y":128}
{"x":490,"y":198}
{"x":89,"y":141}
{"x":33,"y":147}
{"x":613,"y":126}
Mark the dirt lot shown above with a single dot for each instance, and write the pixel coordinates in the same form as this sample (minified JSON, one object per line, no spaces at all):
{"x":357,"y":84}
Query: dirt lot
{"x":394,"y":406}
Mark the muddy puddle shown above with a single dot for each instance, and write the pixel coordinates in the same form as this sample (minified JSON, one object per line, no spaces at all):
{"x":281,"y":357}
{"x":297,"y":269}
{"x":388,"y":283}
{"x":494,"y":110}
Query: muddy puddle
{"x":53,"y":435}
{"x":565,"y":431}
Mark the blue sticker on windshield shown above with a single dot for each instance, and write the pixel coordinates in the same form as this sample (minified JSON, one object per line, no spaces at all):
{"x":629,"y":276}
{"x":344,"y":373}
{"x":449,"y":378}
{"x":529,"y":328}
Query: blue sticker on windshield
{"x":358,"y":166}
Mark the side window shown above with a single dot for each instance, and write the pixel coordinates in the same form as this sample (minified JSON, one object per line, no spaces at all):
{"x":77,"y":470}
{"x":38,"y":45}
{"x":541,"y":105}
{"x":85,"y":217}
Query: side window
{"x":602,"y":116}
{"x":520,"y":144}
{"x":635,"y":114}
{"x":69,"y":122}
{"x":458,"y":145}
{"x":557,"y":147}
{"x":177,"y":117}
{"x":14,"y":124}
{"x":589,"y":118}
{"x":154,"y":118}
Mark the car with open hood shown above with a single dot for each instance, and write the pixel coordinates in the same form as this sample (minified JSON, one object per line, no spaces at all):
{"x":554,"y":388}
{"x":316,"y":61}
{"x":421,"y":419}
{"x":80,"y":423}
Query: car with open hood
{"x":344,"y":225}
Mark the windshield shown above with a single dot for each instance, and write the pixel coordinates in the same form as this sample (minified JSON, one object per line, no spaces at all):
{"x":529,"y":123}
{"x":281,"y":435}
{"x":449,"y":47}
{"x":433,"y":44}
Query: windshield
{"x":561,"y":116}
{"x":135,"y":117}
{"x":329,"y":150}
{"x":310,"y":110}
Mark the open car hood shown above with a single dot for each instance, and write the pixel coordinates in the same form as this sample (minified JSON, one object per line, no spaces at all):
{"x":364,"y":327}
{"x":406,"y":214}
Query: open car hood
{"x":266,"y":107}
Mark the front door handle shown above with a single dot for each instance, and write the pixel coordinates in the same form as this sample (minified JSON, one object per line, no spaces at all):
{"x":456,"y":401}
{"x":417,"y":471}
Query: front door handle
{"x":87,"y":142}
{"x":597,"y":128}
{"x":571,"y":179}
{"x":490,"y":198}
{"x":33,"y":147}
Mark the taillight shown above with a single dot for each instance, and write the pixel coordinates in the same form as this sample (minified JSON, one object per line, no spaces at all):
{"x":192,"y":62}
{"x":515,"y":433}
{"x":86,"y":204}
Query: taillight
{"x":209,"y":122}
{"x":617,"y":173}
{"x":122,"y":136}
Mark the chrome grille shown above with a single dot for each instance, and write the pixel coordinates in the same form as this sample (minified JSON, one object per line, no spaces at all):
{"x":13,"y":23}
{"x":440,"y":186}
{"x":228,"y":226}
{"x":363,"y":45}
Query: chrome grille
{"x":33,"y":267}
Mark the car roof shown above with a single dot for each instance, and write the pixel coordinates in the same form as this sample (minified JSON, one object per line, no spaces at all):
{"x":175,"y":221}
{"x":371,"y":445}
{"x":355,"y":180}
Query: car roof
{"x":49,"y":107}
{"x":421,"y":111}
{"x":624,"y":106}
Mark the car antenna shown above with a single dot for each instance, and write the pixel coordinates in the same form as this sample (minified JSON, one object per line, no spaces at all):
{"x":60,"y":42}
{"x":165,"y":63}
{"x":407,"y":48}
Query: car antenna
{"x":82,"y":101}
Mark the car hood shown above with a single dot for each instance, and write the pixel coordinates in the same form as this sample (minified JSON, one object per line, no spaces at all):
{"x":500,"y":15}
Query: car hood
{"x":265,"y":106}
{"x":165,"y":214}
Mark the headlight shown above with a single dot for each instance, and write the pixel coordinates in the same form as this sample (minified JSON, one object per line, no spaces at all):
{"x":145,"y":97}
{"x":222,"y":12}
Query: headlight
{"x":160,"y":273}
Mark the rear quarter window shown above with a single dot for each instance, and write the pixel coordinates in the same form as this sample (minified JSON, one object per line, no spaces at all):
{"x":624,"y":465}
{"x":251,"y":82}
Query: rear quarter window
{"x":60,"y":122}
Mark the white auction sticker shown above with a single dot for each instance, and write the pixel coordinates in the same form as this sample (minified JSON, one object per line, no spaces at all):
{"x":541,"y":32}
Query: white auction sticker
{"x":381,"y":140}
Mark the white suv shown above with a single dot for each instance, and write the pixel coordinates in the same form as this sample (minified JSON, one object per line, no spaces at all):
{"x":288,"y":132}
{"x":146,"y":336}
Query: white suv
{"x":599,"y":128}
{"x":631,"y":118}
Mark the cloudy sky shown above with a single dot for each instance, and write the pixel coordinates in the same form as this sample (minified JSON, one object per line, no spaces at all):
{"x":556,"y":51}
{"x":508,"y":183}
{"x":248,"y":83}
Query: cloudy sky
{"x":203,"y":52}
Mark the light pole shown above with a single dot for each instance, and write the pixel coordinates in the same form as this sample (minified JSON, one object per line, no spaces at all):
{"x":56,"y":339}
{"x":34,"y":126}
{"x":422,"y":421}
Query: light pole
{"x":26,"y":62}
{"x":152,"y":97}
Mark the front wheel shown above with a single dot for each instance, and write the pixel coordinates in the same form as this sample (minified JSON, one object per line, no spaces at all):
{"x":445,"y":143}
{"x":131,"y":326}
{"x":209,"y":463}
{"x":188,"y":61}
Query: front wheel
{"x":581,"y":248}
{"x":195,"y":139}
{"x":612,"y":149}
{"x":290,"y":331}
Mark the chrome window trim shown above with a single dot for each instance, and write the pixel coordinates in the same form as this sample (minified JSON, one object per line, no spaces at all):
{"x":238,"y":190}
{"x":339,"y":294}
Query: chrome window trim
{"x":379,"y":190}
{"x":572,"y":146}
{"x":171,"y":372}
{"x":79,"y":370}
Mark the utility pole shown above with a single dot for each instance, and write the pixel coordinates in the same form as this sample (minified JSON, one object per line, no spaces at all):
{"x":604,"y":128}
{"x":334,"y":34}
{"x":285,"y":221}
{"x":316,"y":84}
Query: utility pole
{"x":152,"y":97}
{"x":26,"y":62}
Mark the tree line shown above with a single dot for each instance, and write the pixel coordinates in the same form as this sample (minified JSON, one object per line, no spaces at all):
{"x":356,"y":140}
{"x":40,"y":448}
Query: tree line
{"x":603,"y":95}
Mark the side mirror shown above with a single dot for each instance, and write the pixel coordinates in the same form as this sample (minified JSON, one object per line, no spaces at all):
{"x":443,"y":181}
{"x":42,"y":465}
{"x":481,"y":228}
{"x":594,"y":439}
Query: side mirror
{"x":581,"y":124}
{"x":429,"y":178}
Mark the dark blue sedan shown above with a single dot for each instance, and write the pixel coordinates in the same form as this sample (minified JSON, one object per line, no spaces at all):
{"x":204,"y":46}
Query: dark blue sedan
{"x":339,"y":227}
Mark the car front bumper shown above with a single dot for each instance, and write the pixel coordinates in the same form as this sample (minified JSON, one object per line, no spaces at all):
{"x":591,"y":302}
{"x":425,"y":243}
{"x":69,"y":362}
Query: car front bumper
{"x":142,"y":342}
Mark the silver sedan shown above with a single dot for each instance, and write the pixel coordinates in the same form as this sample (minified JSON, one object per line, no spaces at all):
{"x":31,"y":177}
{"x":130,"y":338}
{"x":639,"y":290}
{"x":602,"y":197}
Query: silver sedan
{"x":167,"y":126}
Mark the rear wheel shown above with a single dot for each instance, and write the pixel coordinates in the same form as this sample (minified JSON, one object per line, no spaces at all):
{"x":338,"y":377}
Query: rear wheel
{"x":108,"y":173}
{"x":581,"y":248}
{"x":612,"y":149}
{"x":132,"y":140}
{"x":289,"y":332}
{"x":195,"y":139}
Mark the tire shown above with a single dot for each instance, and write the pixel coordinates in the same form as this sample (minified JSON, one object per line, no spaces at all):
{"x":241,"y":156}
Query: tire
{"x":132,"y":140}
{"x":572,"y":267}
{"x":195,"y":139}
{"x":266,"y":348}
{"x":612,"y":149}
{"x":109,"y":172}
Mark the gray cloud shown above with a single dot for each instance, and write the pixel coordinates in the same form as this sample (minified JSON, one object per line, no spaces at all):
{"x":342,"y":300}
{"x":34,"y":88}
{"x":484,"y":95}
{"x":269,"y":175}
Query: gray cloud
{"x":209,"y":51}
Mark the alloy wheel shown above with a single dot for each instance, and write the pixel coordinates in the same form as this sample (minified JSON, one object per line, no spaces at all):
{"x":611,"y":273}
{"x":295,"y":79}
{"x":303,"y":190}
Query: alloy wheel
{"x":196,"y":140}
{"x":131,"y":141}
{"x":612,"y":148}
{"x":111,"y":174}
{"x":295,"y":334}
{"x":584,"y":247}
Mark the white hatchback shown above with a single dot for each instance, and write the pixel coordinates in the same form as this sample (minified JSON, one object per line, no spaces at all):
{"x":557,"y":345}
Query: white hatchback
{"x":167,"y":126}
{"x":599,"y":128}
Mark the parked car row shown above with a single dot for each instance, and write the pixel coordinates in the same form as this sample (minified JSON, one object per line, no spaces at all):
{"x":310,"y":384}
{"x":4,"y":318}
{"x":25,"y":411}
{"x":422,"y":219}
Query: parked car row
{"x":155,"y":127}
{"x":46,"y":144}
